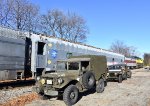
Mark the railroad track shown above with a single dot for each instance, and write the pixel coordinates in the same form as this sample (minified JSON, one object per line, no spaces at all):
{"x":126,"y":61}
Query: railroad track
{"x":11,"y":84}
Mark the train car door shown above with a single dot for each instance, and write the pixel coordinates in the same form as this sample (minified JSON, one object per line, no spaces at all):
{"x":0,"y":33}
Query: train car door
{"x":41,"y":58}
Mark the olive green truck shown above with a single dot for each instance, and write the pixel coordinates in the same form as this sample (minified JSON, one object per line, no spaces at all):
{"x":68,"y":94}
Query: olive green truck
{"x":119,"y":72}
{"x":74,"y":75}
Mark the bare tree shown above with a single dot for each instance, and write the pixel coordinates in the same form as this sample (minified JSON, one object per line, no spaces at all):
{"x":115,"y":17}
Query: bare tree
{"x":122,"y":48}
{"x":51,"y":21}
{"x":147,"y":59}
{"x":32,"y":17}
{"x":5,"y":12}
{"x":23,"y":15}
{"x":66,"y":26}
{"x":76,"y":28}
{"x":18,"y":14}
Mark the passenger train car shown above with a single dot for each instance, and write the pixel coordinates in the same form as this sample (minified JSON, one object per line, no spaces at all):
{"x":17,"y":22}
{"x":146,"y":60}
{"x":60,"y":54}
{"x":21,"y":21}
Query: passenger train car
{"x":33,"y":53}
{"x":134,"y":62}
{"x":130,"y":62}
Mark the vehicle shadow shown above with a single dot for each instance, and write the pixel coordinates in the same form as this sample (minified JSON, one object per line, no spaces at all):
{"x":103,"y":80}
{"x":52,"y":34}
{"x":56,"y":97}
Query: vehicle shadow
{"x":85,"y":93}
{"x":112,"y":80}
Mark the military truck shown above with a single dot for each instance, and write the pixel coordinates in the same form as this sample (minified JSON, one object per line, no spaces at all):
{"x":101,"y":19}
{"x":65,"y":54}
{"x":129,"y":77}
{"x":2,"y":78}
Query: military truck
{"x":74,"y":75}
{"x":119,"y":72}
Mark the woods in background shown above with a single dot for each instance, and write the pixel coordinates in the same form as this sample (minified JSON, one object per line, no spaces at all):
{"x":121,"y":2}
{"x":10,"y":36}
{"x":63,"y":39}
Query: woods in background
{"x":120,"y":47}
{"x":25,"y":16}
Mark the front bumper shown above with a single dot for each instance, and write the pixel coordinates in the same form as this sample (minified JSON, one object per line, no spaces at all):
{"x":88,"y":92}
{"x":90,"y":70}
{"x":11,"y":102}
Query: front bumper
{"x":45,"y":91}
{"x":112,"y":75}
{"x":50,"y":92}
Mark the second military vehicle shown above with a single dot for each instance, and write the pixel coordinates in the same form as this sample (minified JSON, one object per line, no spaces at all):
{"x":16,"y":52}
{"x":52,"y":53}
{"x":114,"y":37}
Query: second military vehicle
{"x":74,"y":75}
{"x":119,"y":72}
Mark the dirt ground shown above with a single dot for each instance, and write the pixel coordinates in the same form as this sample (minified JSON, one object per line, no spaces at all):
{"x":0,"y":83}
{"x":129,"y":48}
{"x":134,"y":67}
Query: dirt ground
{"x":131,"y":92}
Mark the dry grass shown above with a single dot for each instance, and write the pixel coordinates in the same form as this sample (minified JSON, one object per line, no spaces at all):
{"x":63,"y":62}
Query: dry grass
{"x":22,"y":100}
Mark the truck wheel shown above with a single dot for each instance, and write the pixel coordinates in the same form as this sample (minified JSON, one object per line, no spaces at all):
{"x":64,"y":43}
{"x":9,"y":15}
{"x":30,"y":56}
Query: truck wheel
{"x":88,"y":80}
{"x":70,"y":95}
{"x":125,"y":76}
{"x":120,"y":78}
{"x":38,"y":88}
{"x":105,"y":83}
{"x":129,"y":74}
{"x":100,"y":86}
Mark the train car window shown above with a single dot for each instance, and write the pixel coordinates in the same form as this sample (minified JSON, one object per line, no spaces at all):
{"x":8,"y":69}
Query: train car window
{"x":113,"y":59}
{"x":121,"y":60}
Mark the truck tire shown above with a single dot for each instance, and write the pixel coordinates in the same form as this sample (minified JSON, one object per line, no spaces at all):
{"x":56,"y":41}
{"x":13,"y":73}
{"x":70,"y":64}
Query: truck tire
{"x":105,"y":83}
{"x":88,"y":80}
{"x":38,"y":88}
{"x":100,"y":86}
{"x":70,"y":95}
{"x":129,"y":74}
{"x":120,"y":78}
{"x":125,"y":76}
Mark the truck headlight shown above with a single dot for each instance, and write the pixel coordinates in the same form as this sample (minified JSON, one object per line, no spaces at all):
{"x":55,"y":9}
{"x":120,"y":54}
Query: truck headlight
{"x":42,"y":81}
{"x":60,"y":80}
{"x":38,"y":78}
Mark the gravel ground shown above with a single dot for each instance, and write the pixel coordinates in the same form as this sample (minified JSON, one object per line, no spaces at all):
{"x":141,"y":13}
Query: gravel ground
{"x":131,"y":92}
{"x":6,"y":95}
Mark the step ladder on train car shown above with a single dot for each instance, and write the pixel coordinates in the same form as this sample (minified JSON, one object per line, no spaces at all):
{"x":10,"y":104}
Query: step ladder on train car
{"x":19,"y":75}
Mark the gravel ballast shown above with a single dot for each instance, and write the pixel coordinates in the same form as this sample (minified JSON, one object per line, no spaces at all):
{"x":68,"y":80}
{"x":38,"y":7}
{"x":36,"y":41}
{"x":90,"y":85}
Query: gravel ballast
{"x":9,"y":94}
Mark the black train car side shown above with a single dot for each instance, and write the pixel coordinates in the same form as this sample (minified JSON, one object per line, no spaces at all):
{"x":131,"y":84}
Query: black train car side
{"x":14,"y":58}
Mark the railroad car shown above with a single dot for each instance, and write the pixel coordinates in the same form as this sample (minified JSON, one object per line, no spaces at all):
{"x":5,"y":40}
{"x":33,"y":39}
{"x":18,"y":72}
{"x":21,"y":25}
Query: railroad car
{"x":130,"y":62}
{"x":139,"y":62}
{"x":35,"y":53}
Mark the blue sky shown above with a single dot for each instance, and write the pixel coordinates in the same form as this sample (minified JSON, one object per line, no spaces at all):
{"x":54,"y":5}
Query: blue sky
{"x":109,"y":20}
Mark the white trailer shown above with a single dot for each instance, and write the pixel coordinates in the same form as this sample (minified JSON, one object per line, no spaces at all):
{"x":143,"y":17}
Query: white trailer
{"x":56,"y":49}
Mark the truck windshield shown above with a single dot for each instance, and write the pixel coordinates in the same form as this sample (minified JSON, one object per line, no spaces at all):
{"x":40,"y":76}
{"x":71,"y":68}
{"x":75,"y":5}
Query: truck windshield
{"x":73,"y":66}
{"x":61,"y":66}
